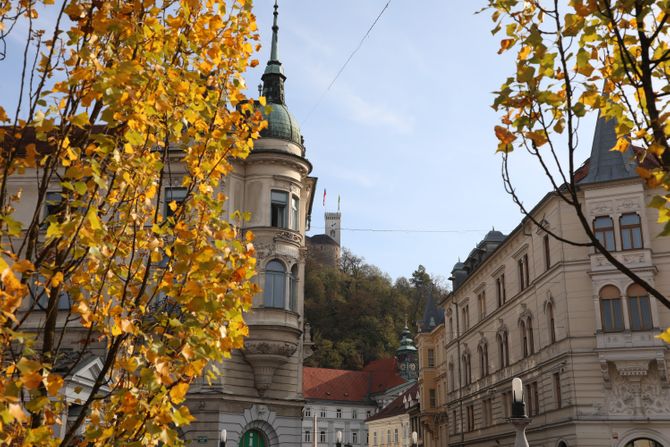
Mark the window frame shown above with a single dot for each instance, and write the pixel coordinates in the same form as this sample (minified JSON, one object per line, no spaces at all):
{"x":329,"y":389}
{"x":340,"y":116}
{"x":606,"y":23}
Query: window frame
{"x":270,"y":301}
{"x":610,"y":300}
{"x":605,"y":231}
{"x":638,"y":298}
{"x":279,"y":209}
{"x":547,"y":252}
{"x":294,"y":223}
{"x":629,"y":229}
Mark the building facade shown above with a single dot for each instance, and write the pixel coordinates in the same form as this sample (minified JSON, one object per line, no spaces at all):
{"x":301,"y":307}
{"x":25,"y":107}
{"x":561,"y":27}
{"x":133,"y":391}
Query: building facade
{"x":392,"y":426}
{"x":579,"y":333}
{"x":258,"y":397}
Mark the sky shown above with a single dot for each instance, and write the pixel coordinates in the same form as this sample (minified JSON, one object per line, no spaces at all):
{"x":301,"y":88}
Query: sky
{"x":405,"y":135}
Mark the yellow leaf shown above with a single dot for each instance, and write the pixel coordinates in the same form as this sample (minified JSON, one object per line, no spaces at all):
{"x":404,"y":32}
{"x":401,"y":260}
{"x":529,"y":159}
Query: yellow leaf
{"x":665,"y":336}
{"x":621,"y":145}
{"x":93,"y":219}
{"x":17,"y":413}
{"x":53,"y":383}
{"x":178,"y":392}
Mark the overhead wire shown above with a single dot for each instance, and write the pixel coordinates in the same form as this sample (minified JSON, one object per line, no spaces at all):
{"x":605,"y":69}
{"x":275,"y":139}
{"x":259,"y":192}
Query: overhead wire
{"x":404,"y":230}
{"x":351,"y":56}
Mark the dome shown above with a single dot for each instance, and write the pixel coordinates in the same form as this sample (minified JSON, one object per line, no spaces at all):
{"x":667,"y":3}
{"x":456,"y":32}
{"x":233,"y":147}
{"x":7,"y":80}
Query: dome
{"x":494,"y":236}
{"x":458,"y":266}
{"x":281,"y":124}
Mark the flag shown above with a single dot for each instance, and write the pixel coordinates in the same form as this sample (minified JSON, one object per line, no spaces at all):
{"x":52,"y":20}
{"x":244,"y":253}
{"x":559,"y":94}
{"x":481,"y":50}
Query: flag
{"x":338,"y":203}
{"x":324,"y":197}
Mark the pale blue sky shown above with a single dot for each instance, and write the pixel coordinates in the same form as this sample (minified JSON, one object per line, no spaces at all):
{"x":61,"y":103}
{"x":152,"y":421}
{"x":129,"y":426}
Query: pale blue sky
{"x":405,"y":136}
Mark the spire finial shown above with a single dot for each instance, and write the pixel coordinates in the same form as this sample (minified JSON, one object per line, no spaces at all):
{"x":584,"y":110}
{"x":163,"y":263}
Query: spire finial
{"x":275,"y":31}
{"x":273,"y":78}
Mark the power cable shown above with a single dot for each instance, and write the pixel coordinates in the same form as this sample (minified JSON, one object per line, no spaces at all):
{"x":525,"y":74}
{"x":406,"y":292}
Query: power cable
{"x":358,"y":47}
{"x":403,"y":230}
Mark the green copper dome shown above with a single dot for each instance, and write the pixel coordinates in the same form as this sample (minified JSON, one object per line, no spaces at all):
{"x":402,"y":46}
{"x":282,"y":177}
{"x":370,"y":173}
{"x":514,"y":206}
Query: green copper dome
{"x":281,"y":124}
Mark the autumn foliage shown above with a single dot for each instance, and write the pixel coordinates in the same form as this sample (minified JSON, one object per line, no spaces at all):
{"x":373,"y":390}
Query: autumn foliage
{"x":118,"y":101}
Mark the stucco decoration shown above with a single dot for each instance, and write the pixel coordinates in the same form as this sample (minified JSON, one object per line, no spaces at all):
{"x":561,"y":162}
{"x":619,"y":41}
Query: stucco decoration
{"x":637,"y":390}
{"x":265,"y":357}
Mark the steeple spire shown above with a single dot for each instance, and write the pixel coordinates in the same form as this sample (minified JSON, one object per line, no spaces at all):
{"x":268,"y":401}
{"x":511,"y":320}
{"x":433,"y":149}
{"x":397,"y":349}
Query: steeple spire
{"x":273,"y":78}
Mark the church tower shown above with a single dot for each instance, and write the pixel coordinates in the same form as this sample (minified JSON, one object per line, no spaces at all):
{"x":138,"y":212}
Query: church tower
{"x":258,"y":398}
{"x":407,"y":356}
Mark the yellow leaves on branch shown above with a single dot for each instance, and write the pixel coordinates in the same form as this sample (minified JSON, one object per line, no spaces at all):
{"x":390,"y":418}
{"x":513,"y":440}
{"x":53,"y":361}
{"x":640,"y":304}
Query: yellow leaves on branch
{"x":135,"y":83}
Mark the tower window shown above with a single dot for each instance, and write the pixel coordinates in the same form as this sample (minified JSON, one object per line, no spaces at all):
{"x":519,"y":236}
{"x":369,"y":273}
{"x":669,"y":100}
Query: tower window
{"x":295,"y":213}
{"x":431,"y":358}
{"x":631,"y":231}
{"x":279,"y":209}
{"x":274,"y":291}
{"x":293,"y":289}
{"x":603,"y":227}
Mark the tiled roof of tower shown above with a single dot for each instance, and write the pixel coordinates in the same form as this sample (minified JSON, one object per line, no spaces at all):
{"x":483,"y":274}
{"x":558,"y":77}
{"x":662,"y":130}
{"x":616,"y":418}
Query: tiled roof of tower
{"x":397,"y":406}
{"x":353,"y":386}
{"x":604,"y":163}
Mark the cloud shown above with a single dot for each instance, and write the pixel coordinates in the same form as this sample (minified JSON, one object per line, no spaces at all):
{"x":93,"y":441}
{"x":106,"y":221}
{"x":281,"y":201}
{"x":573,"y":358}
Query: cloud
{"x":357,"y":108}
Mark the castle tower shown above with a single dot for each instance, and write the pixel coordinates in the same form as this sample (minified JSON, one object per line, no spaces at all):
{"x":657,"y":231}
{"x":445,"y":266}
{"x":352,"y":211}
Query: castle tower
{"x":333,"y":225}
{"x":258,"y":396}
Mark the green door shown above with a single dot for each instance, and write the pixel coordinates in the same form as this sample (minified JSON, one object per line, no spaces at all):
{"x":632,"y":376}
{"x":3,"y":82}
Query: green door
{"x":252,"y":438}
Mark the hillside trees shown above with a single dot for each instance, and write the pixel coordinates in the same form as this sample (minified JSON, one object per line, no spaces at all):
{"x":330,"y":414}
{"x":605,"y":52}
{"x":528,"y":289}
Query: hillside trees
{"x":610,"y":57}
{"x":357,"y":312}
{"x":119,"y":101}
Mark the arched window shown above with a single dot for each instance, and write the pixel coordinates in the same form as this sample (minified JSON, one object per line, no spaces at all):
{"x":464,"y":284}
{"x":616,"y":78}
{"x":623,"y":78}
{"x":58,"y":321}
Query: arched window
{"x":483,"y":351}
{"x":639,"y":310}
{"x":467,"y":370}
{"x":643,"y":442}
{"x":562,"y":444}
{"x":603,"y":227}
{"x":531,"y":338}
{"x":610,"y":309}
{"x":524,"y":338}
{"x":274,"y":293}
{"x":631,"y":231}
{"x":503,"y":349}
{"x":551,"y":322}
{"x":293,"y":289}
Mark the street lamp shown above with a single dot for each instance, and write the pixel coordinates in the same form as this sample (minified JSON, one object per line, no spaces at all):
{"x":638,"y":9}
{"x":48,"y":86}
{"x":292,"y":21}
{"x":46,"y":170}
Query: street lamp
{"x":415,"y":439}
{"x":338,"y":436}
{"x":223,"y":437}
{"x":519,"y":418}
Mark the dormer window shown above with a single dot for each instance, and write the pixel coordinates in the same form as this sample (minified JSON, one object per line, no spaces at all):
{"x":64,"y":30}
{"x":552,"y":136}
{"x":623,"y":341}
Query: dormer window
{"x":279,"y":209}
{"x":603,"y":228}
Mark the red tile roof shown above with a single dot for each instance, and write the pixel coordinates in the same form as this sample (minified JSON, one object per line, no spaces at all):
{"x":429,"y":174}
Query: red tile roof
{"x":335,"y":384}
{"x":353,"y":386}
{"x":384,"y":375}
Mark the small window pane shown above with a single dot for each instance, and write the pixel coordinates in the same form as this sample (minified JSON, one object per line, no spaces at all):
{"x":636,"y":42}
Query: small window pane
{"x":274,"y":291}
{"x":295,"y":213}
{"x":280,"y":197}
{"x":278,"y":209}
